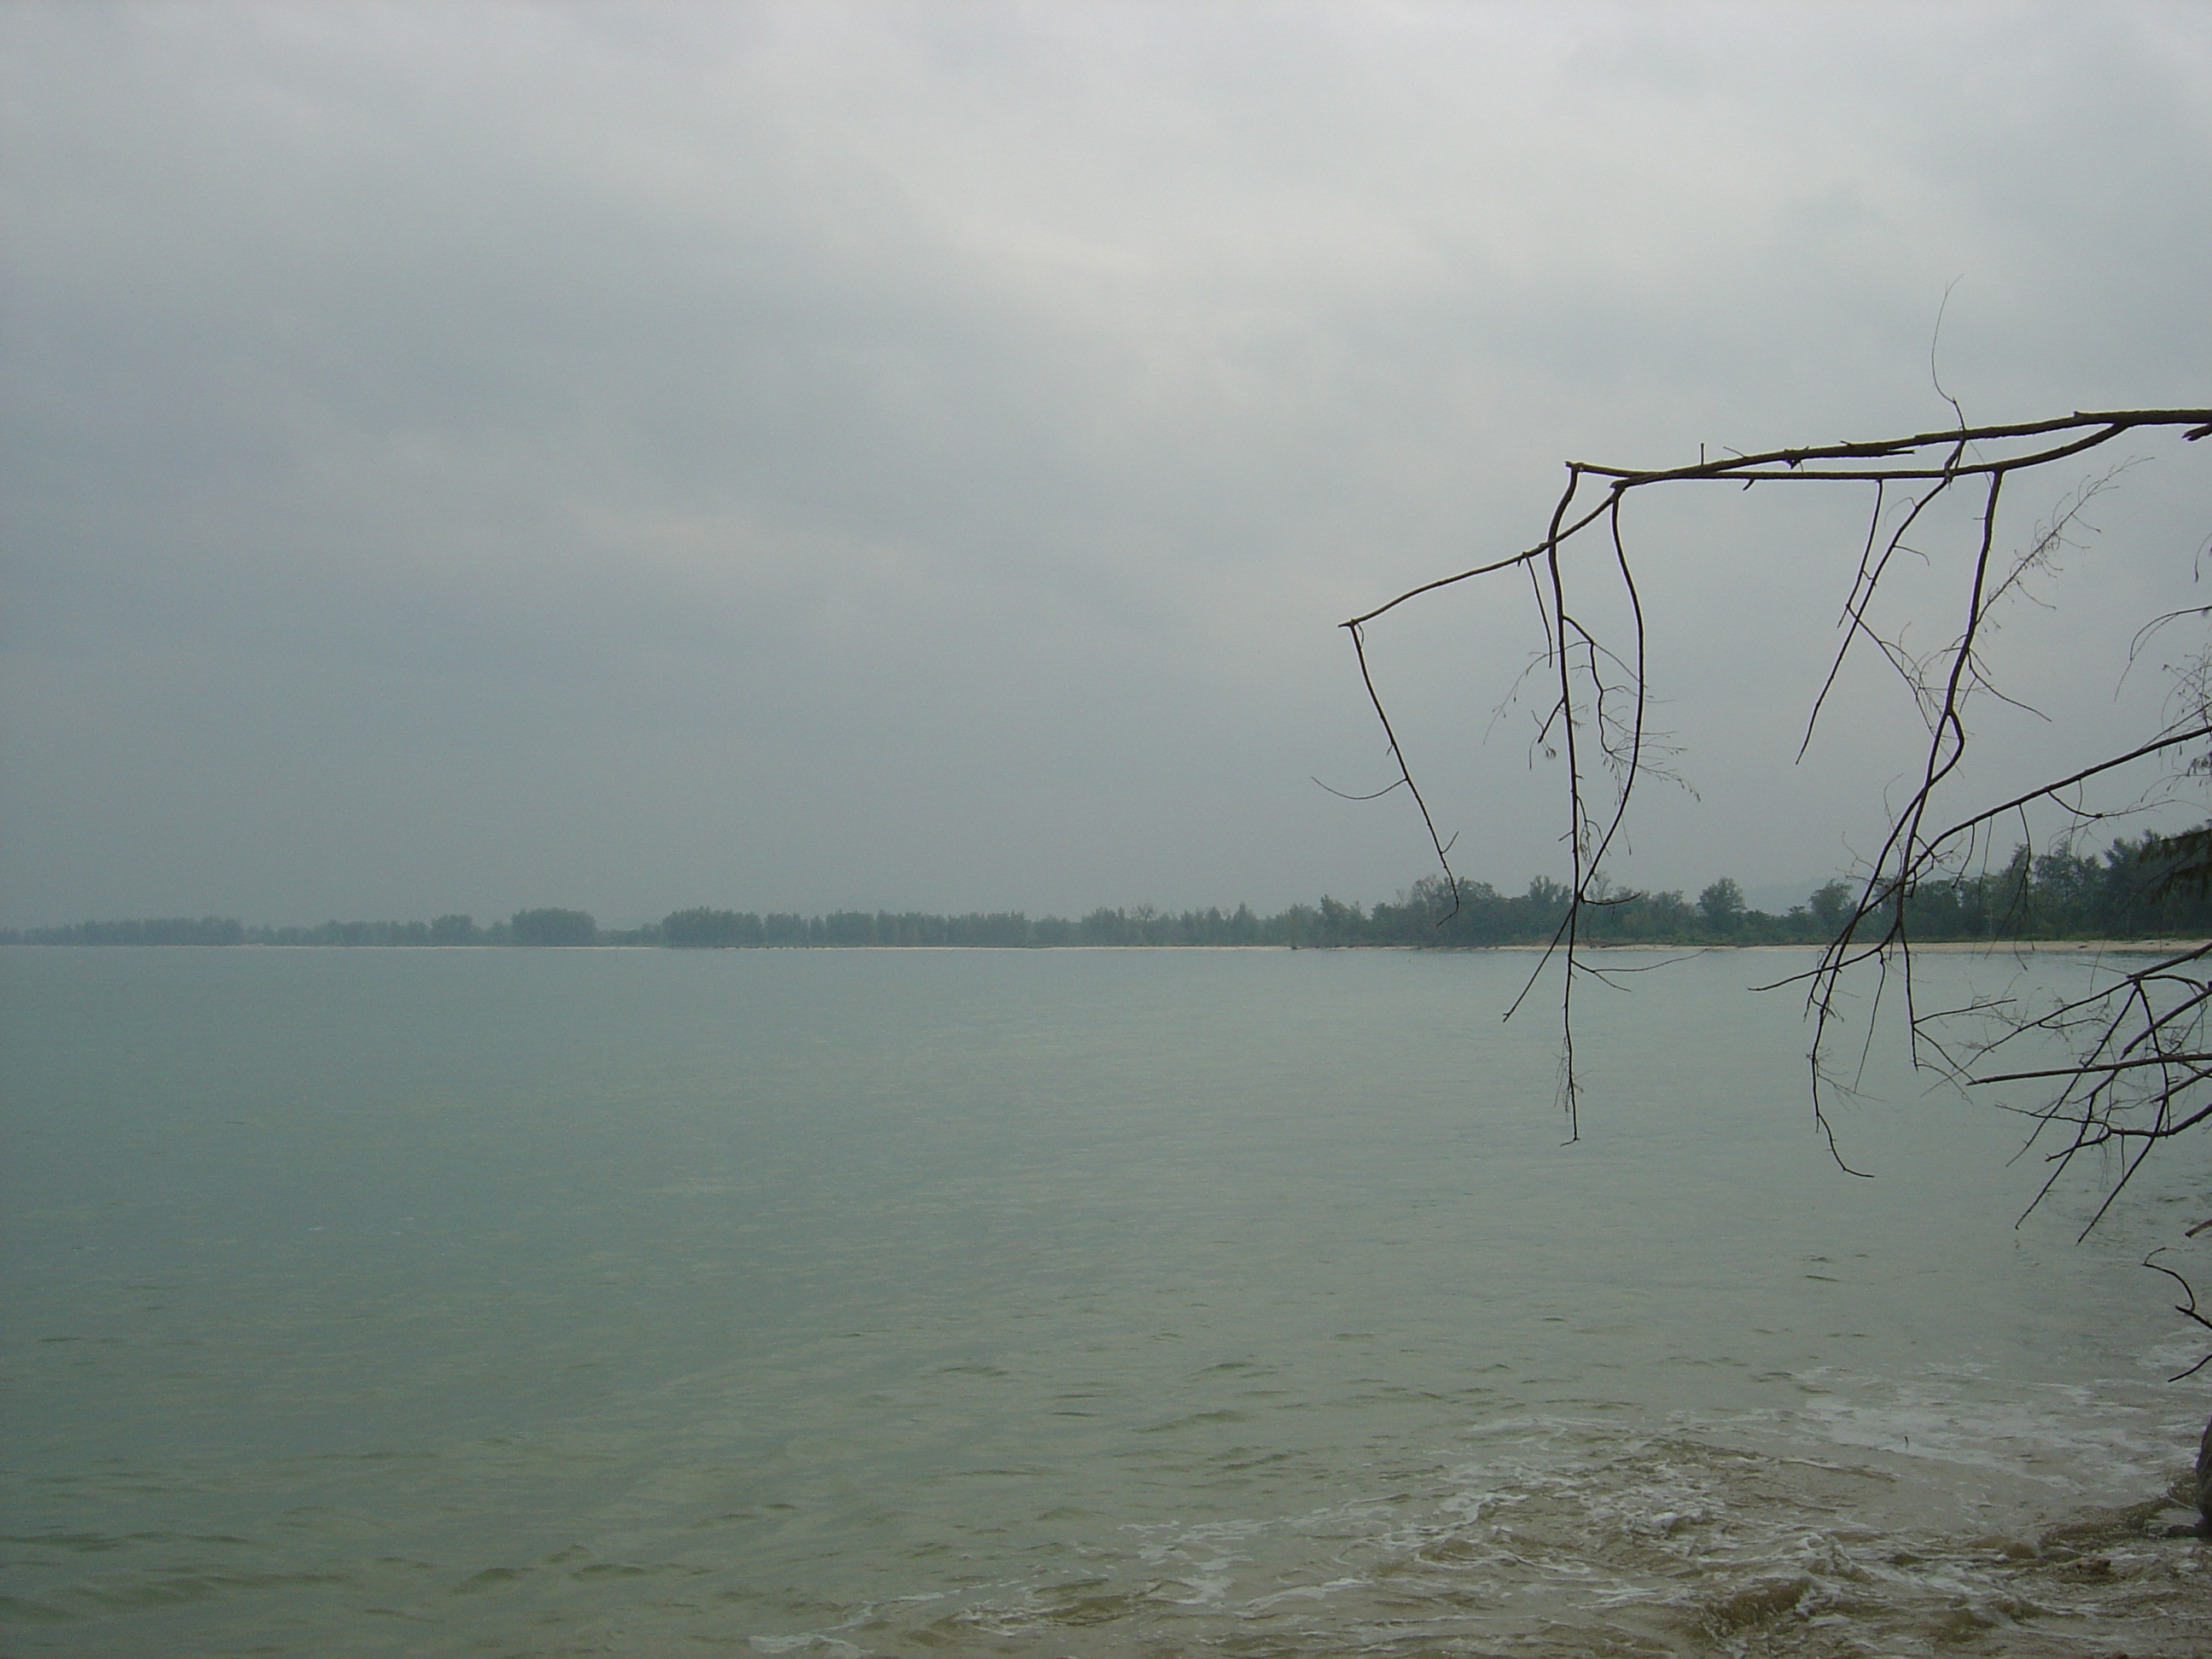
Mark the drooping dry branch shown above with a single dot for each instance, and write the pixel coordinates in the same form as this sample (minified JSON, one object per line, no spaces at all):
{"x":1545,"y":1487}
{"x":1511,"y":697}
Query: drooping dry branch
{"x":1794,"y":463}
{"x":1595,"y":722}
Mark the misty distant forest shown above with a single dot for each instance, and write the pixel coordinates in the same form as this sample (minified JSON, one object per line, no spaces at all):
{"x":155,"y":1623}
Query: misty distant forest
{"x":2130,"y":891}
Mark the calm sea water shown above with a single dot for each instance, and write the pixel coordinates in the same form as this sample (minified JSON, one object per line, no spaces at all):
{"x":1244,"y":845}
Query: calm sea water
{"x":1070,"y":1303}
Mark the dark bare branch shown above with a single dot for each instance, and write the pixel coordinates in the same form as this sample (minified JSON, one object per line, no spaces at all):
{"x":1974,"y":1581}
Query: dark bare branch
{"x":2133,"y":1059}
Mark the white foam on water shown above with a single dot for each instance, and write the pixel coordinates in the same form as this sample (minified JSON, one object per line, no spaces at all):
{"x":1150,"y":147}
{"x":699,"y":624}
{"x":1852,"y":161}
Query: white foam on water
{"x":1579,"y":1537}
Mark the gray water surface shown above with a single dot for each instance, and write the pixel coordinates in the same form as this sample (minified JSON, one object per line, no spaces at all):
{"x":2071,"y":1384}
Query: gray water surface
{"x":445,"y":1302}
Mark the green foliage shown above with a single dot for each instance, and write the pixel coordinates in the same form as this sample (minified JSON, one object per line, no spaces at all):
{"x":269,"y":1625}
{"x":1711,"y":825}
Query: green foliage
{"x":705,"y":929}
{"x":2152,"y":887}
{"x":167,"y":929}
{"x":550,"y":927}
{"x":2140,"y":889}
{"x":1831,"y":903}
{"x":1722,"y":905}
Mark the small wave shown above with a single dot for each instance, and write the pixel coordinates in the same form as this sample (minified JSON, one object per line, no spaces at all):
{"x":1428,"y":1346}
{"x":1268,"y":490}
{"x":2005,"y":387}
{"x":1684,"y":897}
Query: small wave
{"x":1578,"y":1538}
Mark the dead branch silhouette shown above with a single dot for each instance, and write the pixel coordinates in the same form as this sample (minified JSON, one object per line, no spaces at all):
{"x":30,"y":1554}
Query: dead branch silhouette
{"x":2140,"y":1073}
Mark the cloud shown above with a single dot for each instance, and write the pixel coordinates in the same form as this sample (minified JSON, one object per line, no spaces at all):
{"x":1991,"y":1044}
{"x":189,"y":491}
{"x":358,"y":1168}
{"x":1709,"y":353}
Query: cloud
{"x":633,"y":456}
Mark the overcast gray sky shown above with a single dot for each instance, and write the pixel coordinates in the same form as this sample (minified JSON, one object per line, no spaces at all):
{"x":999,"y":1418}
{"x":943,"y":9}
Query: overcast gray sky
{"x":466,"y":456}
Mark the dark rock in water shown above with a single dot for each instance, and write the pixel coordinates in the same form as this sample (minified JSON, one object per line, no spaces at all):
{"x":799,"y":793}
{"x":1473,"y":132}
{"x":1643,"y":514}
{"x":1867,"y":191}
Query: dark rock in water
{"x":2204,"y":1476}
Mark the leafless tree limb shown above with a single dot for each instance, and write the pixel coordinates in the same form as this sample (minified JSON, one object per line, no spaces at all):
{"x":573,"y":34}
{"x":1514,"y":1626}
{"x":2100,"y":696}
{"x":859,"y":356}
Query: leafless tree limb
{"x":2137,"y":1071}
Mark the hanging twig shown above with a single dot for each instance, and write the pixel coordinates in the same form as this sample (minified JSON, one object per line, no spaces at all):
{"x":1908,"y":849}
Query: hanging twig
{"x":1597,"y":723}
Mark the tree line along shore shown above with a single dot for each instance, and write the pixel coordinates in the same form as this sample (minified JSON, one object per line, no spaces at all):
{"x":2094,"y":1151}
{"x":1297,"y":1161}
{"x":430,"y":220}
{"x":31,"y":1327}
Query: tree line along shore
{"x":2126,"y":892}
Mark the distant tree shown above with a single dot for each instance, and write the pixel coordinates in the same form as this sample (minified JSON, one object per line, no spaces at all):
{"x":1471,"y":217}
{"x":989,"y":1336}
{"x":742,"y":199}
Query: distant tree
{"x":1670,"y":913}
{"x":550,"y":927}
{"x":152,"y":930}
{"x":1831,"y":903}
{"x":1340,"y":924}
{"x":1722,"y":905}
{"x":699,"y":929}
{"x":454,"y":930}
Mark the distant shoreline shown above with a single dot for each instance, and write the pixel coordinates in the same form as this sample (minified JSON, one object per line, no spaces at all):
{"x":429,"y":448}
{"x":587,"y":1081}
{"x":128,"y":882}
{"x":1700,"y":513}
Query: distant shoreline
{"x":2140,"y":947}
{"x":2121,"y":903}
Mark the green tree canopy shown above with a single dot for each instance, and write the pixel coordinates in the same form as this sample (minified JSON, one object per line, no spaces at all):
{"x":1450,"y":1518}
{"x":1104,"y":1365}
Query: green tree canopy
{"x":550,"y":927}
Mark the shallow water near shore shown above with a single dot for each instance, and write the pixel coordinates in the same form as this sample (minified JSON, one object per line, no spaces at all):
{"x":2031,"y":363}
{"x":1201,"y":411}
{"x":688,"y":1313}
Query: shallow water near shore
{"x":1063,"y":1302}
